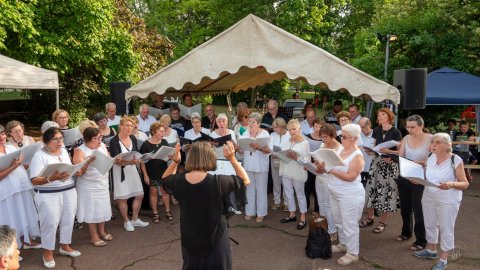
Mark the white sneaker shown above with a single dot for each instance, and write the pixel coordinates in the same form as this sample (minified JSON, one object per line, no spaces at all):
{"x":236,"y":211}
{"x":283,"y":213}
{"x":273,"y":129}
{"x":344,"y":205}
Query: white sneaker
{"x":339,"y":248}
{"x":128,"y":226}
{"x":139,"y":223}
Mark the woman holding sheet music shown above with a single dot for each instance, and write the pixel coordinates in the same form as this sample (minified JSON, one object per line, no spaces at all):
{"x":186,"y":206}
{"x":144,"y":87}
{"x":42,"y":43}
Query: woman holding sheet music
{"x":328,"y":133}
{"x":221,"y":131}
{"x":441,"y":204}
{"x":277,"y":138}
{"x":169,"y":134}
{"x":416,"y":147}
{"x":255,"y":162}
{"x":93,"y":204}
{"x":153,"y":170}
{"x":293,"y":174}
{"x":347,"y":195}
{"x":381,"y":186}
{"x":55,"y":198}
{"x":16,"y":202}
{"x":102,"y":121}
{"x":126,"y":179}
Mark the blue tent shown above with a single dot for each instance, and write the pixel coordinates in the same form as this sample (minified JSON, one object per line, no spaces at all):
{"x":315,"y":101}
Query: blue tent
{"x":447,"y":86}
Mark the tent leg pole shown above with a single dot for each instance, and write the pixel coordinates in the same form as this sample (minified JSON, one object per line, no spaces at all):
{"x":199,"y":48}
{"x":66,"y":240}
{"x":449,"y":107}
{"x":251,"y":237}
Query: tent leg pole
{"x":57,"y":96}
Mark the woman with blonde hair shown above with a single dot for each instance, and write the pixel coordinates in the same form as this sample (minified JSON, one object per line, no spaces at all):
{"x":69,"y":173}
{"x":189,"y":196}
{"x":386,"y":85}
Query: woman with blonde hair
{"x":153,"y":170}
{"x":126,"y":179}
{"x":293,"y":175}
{"x":441,"y":204}
{"x":202,"y":198}
{"x":140,"y":135}
{"x":169,"y":134}
{"x":277,"y":138}
{"x":61,"y":117}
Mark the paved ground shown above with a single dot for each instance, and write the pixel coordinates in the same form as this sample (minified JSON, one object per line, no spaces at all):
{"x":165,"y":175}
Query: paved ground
{"x":270,"y":245}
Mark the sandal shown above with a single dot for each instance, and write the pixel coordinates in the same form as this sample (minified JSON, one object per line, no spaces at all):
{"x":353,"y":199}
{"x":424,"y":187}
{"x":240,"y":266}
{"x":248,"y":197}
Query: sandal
{"x":415,"y":247}
{"x":380,"y":227}
{"x":169,"y":215}
{"x":107,"y":237}
{"x":156,"y":218}
{"x":402,"y":238}
{"x":367,"y":222}
{"x":99,"y":243}
{"x":259,"y":219}
{"x":288,"y":219}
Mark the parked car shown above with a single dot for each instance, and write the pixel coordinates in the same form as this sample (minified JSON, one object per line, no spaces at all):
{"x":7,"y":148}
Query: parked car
{"x":297,"y":105}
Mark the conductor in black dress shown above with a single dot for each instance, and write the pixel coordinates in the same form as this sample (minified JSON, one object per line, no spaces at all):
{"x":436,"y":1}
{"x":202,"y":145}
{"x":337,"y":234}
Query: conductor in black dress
{"x":203,"y":200}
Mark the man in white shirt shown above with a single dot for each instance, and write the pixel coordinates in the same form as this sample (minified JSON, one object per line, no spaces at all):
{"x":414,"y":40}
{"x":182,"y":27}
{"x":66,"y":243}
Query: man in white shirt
{"x":144,"y":119}
{"x":111,"y":111}
{"x":307,"y":125}
{"x":354,"y":113}
{"x":368,"y":141}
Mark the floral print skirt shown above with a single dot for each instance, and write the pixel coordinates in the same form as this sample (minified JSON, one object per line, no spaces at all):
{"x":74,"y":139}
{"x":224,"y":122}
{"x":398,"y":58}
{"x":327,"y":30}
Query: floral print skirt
{"x":381,"y":186}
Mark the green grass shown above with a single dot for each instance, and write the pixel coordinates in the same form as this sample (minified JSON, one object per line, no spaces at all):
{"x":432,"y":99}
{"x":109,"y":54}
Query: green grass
{"x":11,"y":95}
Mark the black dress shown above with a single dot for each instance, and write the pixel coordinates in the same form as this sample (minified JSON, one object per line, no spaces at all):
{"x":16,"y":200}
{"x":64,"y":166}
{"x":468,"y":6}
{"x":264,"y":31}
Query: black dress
{"x":203,"y":225}
{"x":155,"y":167}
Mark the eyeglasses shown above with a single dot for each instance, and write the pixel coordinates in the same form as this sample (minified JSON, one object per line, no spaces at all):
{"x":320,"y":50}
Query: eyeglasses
{"x":59,"y":139}
{"x":19,"y":131}
{"x":100,"y":137}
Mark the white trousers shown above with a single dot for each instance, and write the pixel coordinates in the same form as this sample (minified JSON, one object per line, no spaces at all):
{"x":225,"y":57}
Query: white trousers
{"x":438,"y":215}
{"x":323,"y":197}
{"x":277,"y":186}
{"x":290,"y":185}
{"x":56,"y":209}
{"x":257,"y":199}
{"x":347,"y":208}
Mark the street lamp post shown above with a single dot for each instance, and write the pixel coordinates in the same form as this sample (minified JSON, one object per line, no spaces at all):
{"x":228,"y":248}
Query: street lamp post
{"x":388,"y":38}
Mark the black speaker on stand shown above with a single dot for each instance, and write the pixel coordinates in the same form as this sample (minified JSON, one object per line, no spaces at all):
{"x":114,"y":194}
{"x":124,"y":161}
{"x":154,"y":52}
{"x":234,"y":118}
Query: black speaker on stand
{"x":412,"y":84}
{"x":117,"y":95}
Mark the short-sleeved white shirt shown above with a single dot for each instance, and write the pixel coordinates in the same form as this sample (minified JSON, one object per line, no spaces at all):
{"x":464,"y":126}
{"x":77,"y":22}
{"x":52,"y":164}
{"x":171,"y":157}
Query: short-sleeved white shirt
{"x":255,"y":161}
{"x":41,"y":159}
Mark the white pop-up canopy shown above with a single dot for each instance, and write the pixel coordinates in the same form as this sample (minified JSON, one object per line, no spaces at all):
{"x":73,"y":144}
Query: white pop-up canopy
{"x":252,"y":53}
{"x":18,"y":75}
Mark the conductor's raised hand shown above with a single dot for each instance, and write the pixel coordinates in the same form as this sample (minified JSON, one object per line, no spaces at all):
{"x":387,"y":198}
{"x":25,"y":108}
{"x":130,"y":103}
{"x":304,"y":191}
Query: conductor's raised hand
{"x":178,"y":155}
{"x":229,"y":151}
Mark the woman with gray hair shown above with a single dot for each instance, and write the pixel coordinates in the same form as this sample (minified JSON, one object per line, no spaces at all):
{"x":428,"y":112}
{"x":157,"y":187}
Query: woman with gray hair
{"x":256,"y":164}
{"x":197,"y":130}
{"x":222,"y":130}
{"x":415,"y":146}
{"x":347,"y":195}
{"x":441,"y":204}
{"x":279,"y":136}
{"x":9,"y":253}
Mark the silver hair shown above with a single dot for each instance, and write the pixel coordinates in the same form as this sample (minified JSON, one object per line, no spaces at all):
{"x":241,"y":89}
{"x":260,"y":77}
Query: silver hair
{"x":273,"y":102}
{"x":367,"y":121}
{"x":352,"y":129}
{"x":241,"y":105}
{"x":110,"y":105}
{"x":7,"y":239}
{"x":417,"y":119}
{"x":48,"y":124}
{"x":256,"y":116}
{"x":444,"y":138}
{"x":280,"y":122}
{"x":143,"y":106}
{"x":195,"y":115}
{"x":222,"y":116}
{"x":2,"y":129}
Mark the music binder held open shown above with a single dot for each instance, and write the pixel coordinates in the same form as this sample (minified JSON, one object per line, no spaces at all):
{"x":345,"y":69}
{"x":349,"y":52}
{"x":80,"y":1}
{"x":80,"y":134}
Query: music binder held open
{"x":414,"y":171}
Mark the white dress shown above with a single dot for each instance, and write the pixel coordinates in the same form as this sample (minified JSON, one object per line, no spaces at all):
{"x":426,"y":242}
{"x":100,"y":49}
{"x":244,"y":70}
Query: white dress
{"x":93,"y":198}
{"x":17,"y":208}
{"x":132,"y":185}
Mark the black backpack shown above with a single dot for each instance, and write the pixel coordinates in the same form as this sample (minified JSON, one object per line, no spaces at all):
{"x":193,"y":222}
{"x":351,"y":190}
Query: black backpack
{"x":318,"y":244}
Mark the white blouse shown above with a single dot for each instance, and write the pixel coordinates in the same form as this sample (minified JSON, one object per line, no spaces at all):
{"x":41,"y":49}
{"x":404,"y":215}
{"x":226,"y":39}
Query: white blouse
{"x":255,"y":161}
{"x":443,"y":172}
{"x":293,"y":170}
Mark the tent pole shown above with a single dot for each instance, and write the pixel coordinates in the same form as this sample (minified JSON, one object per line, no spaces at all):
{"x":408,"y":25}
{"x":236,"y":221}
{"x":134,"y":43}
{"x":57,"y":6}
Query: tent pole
{"x":57,"y":96}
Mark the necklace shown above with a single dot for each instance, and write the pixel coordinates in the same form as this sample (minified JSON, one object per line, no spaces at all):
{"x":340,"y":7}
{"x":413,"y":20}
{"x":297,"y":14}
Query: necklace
{"x":349,"y":151}
{"x":59,"y":156}
{"x":384,"y":132}
{"x":20,"y":144}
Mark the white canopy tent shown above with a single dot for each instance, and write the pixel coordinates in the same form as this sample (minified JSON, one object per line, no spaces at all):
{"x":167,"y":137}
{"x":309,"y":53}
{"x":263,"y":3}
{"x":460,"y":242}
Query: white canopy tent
{"x":18,"y":75}
{"x":252,"y":53}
